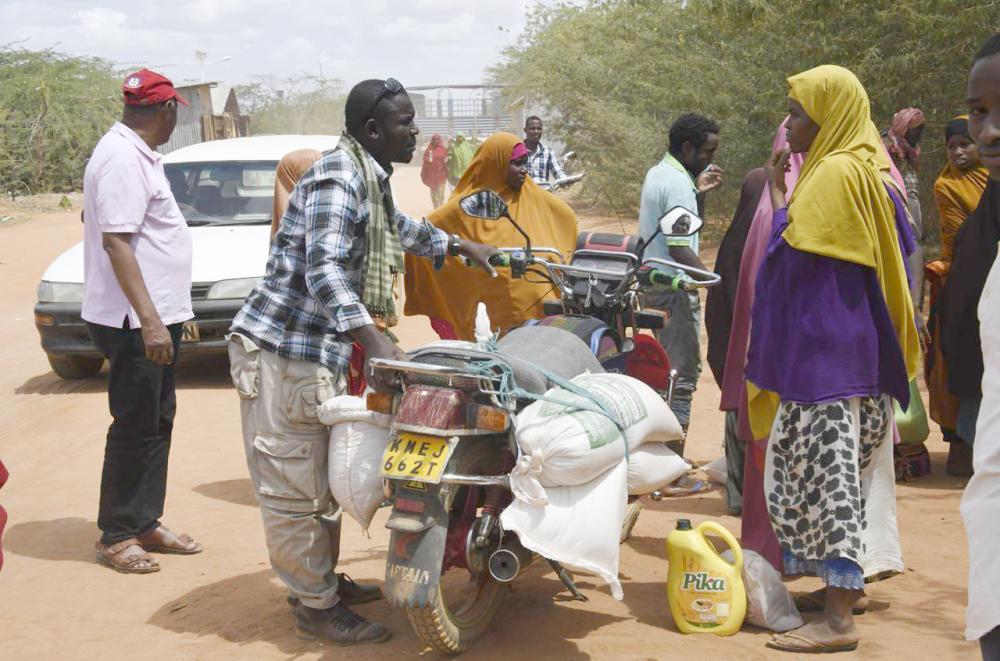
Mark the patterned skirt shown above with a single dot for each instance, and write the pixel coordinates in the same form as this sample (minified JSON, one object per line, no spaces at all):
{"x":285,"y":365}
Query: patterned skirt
{"x":830,"y":485}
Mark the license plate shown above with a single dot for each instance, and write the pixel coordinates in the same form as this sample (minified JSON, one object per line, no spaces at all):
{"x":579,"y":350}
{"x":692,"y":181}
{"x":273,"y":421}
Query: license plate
{"x":416,"y":457}
{"x":190,"y":332}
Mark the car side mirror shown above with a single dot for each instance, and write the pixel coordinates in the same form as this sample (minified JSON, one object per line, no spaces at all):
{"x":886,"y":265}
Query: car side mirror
{"x":484,"y":204}
{"x":680,"y":222}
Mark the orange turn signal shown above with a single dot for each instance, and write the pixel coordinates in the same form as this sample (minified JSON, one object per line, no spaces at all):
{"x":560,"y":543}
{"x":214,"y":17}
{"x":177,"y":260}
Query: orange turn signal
{"x":379,"y":402}
{"x":44,"y":320}
{"x":492,"y":419}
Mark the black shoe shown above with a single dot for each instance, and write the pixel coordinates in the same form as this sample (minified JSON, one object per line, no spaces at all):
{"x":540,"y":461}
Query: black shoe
{"x":339,"y":624}
{"x":351,"y":593}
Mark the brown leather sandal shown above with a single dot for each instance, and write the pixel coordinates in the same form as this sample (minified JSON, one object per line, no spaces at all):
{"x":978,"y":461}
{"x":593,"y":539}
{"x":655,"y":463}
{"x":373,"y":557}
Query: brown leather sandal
{"x":126,"y":557}
{"x":163,"y":540}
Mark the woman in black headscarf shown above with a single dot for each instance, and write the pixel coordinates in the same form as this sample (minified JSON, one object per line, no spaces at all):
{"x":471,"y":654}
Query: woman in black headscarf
{"x":975,"y":252}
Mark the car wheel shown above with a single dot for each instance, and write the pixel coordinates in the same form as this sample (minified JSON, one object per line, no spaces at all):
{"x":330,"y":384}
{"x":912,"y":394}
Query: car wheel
{"x":75,"y":367}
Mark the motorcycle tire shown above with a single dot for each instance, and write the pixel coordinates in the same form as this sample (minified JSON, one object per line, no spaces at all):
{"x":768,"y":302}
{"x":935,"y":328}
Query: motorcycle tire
{"x":632,"y":512}
{"x":452,"y":628}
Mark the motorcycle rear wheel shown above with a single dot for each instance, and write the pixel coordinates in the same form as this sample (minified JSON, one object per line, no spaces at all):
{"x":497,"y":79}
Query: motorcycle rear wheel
{"x":460,"y":613}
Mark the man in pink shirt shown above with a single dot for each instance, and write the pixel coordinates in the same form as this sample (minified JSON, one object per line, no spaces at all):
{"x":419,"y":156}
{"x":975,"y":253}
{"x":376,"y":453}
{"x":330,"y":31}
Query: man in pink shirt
{"x":137,"y":295}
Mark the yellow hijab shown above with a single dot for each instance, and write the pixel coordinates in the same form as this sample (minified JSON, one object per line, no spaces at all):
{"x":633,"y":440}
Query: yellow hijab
{"x":452,"y":293}
{"x":840,"y":208}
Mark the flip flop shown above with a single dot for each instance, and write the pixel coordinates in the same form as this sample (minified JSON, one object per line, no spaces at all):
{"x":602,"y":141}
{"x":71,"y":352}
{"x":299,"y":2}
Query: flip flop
{"x":811,"y":603}
{"x":793,"y":642}
{"x":690,"y":488}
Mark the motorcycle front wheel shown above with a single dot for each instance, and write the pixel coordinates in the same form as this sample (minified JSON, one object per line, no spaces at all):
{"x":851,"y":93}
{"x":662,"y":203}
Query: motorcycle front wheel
{"x":466,"y":602}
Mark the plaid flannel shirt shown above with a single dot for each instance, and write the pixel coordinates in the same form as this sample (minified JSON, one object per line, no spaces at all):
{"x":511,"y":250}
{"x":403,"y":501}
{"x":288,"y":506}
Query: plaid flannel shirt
{"x":543,"y":166}
{"x":310,"y":296}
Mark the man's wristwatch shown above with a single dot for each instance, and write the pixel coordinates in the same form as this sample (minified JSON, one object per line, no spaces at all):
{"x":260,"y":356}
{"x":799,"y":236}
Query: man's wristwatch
{"x":454,"y":244}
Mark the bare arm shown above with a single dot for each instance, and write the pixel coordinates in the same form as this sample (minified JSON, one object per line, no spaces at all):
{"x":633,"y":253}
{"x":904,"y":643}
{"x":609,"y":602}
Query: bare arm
{"x":684,"y":255}
{"x":155,"y":338}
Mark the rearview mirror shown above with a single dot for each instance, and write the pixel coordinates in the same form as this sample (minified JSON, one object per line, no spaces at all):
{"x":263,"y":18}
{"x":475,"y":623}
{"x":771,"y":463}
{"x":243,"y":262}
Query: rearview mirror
{"x":680,"y":222}
{"x":484,"y":204}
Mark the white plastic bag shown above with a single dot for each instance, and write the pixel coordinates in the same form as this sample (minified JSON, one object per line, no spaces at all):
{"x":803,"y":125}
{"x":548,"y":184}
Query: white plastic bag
{"x":357,"y":440}
{"x":717,"y":471}
{"x":769,"y":604}
{"x":580,"y":526}
{"x":653,"y":465}
{"x":570,"y":444}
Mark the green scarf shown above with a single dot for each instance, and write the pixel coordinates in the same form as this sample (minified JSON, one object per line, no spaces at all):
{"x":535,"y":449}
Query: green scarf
{"x":383,"y":252}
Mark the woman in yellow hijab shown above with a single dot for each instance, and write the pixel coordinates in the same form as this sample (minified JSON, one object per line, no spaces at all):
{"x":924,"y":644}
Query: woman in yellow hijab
{"x":833,"y":341}
{"x":449,"y":296}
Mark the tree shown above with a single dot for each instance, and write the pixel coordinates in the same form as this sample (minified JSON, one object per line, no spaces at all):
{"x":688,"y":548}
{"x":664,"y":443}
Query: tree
{"x":53,"y":110}
{"x":300,"y":105}
{"x":613,"y":75}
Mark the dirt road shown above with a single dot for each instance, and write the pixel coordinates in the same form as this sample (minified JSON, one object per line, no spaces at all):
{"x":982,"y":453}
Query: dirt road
{"x":56,"y":603}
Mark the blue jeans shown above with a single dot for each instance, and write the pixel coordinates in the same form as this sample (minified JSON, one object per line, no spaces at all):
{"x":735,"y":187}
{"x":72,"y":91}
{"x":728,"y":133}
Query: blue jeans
{"x":682,"y":341}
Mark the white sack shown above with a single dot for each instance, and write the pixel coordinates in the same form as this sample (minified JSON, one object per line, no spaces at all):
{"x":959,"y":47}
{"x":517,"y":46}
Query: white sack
{"x":769,"y":604}
{"x":358,"y":438}
{"x":564,"y":445}
{"x":653,"y":465}
{"x":580,"y":526}
{"x":717,"y":471}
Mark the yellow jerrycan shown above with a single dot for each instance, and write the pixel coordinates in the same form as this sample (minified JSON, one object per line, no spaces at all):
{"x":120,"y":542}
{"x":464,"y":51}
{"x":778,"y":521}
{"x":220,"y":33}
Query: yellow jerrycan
{"x":705,"y":592}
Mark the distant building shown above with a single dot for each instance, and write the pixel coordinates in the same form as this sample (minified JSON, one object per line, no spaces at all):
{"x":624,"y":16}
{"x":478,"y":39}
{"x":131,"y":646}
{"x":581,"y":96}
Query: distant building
{"x":212,"y":113}
{"x":473,"y":110}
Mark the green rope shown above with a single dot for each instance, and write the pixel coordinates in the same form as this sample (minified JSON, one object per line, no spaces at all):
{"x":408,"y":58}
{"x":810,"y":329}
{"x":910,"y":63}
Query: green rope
{"x":508,"y":391}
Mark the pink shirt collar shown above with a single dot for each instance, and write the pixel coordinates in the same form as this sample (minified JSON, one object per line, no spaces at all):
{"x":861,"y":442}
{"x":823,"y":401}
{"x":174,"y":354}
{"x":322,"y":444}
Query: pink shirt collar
{"x":138,"y":142}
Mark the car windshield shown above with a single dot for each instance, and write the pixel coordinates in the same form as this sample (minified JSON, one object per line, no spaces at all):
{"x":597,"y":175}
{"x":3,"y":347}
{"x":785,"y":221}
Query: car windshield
{"x":223,"y":193}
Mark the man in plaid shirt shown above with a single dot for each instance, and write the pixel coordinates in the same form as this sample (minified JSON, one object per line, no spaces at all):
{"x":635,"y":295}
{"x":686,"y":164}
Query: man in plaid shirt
{"x":329,"y":280}
{"x":542,"y":163}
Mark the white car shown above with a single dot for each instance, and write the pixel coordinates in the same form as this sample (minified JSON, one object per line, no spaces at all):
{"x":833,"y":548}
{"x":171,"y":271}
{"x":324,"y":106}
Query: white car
{"x":225,"y":189}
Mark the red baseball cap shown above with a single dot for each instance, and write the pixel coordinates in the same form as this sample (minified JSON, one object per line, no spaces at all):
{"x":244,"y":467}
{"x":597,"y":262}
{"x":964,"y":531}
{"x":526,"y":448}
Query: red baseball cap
{"x":145,"y":88}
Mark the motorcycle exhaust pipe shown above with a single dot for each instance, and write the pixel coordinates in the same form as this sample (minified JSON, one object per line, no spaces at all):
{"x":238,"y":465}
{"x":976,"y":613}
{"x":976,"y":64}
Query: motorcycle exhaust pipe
{"x":508,"y":560}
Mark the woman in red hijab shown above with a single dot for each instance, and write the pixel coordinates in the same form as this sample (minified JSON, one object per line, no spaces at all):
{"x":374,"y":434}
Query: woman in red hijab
{"x":434,"y":171}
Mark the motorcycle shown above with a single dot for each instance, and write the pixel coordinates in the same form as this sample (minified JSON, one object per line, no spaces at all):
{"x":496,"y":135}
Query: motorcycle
{"x":563,"y":183}
{"x":452,"y":446}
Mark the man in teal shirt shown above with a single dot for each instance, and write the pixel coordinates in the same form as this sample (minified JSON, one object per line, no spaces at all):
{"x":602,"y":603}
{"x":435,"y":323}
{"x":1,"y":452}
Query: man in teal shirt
{"x":685,"y":173}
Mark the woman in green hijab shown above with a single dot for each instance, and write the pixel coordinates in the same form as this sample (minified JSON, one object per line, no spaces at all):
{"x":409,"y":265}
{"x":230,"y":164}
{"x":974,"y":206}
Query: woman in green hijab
{"x":460,"y":153}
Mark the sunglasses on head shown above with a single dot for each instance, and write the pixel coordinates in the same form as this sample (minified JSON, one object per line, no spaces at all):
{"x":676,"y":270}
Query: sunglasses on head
{"x":390,"y":87}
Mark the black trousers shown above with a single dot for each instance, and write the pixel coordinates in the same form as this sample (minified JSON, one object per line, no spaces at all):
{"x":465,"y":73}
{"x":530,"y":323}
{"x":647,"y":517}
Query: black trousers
{"x":142,"y":399}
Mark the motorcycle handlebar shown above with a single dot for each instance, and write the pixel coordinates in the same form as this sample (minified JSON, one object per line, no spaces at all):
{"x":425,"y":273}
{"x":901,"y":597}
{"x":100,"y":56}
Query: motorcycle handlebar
{"x":651,"y":276}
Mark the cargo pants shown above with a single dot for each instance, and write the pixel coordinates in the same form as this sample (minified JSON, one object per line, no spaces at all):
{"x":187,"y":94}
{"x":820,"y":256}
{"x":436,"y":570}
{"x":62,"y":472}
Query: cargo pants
{"x":286,"y":448}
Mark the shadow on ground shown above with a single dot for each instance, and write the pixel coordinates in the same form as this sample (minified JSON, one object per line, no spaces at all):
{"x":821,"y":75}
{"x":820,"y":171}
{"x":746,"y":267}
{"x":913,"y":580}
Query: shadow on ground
{"x":251,"y":608}
{"x":238,"y":492}
{"x":70,"y":538}
{"x":193,"y":373}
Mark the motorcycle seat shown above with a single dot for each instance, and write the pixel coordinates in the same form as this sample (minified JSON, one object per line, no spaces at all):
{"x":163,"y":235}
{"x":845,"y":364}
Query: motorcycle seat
{"x":524,"y":349}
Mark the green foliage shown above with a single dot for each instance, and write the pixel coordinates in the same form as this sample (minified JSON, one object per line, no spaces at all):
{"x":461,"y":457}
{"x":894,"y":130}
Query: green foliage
{"x":299,"y":105}
{"x":613,"y":75}
{"x":53,"y":110}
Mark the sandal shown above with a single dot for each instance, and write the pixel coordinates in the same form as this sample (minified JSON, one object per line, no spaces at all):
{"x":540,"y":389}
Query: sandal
{"x":793,"y":642}
{"x":163,"y":540}
{"x":126,"y":557}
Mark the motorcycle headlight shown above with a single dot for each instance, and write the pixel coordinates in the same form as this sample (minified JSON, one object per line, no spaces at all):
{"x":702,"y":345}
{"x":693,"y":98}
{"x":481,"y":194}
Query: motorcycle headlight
{"x":60,"y":292}
{"x":236,"y":288}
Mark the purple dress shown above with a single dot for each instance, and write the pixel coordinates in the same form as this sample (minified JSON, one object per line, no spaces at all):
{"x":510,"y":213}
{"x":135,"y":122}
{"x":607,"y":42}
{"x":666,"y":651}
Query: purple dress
{"x":821,"y":327}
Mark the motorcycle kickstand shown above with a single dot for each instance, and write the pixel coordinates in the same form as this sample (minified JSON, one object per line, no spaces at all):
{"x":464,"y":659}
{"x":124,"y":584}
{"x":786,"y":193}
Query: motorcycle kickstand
{"x":567,"y":581}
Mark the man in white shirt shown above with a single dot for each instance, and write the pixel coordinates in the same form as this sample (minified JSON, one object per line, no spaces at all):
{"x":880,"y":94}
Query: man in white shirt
{"x":981,"y":502}
{"x":137,"y":295}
